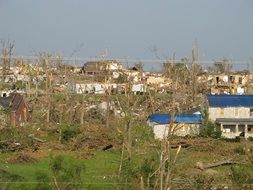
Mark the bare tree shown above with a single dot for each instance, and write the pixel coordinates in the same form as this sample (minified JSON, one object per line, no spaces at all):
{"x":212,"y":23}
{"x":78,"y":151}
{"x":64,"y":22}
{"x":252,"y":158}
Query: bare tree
{"x":7,"y":51}
{"x":183,"y":94}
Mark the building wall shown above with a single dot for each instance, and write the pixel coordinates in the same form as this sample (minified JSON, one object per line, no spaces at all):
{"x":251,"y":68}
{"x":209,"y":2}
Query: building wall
{"x":231,"y":112}
{"x":179,"y":129}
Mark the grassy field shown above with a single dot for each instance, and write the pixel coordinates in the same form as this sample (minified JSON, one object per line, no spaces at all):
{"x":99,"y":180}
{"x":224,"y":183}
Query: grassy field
{"x":101,"y":167}
{"x":100,"y":171}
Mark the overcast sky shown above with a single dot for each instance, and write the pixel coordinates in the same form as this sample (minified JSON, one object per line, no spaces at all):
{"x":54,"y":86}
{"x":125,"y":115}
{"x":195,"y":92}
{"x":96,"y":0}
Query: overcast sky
{"x":130,"y":28}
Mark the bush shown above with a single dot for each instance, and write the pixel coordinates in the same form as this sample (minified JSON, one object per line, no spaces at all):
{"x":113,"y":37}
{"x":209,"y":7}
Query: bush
{"x":67,"y":170}
{"x":237,"y":139}
{"x":141,"y":134}
{"x":250,"y":138}
{"x":210,"y":129}
{"x":68,"y":132}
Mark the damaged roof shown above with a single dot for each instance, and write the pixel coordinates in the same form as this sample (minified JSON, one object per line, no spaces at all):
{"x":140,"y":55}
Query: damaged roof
{"x":6,"y":101}
{"x":13,"y":101}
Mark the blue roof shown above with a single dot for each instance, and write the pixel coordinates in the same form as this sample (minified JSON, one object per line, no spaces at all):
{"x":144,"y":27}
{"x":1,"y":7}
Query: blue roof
{"x":230,"y":100}
{"x":181,"y":118}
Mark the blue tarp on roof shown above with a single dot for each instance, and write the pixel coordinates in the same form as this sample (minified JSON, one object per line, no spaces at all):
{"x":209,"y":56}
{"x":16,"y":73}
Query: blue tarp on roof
{"x":230,"y":100}
{"x":181,"y":118}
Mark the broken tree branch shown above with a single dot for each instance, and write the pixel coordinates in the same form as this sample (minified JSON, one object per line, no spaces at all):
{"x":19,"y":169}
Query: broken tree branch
{"x":36,"y":138}
{"x":201,"y":166}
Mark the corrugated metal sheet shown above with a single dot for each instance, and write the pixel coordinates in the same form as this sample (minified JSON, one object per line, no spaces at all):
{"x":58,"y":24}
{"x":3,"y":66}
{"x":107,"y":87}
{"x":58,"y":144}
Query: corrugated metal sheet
{"x":181,"y":118}
{"x":230,"y":100}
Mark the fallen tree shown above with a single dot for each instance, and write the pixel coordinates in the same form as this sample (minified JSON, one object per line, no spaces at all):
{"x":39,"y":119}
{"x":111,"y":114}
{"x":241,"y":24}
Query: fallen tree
{"x":201,"y":166}
{"x":36,"y":138}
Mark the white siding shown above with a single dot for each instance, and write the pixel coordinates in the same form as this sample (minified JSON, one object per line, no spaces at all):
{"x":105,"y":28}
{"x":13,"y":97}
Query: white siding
{"x":161,"y":130}
{"x":231,"y":112}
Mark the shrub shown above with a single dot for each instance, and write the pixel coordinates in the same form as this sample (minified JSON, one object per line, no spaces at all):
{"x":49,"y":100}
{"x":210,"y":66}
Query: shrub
{"x":210,"y":129}
{"x":67,"y":170}
{"x":237,"y":139}
{"x":68,"y":132}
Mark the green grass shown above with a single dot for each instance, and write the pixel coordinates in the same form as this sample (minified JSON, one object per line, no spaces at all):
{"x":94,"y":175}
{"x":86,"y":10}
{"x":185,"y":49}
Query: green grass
{"x":102,"y":168}
{"x":100,"y":172}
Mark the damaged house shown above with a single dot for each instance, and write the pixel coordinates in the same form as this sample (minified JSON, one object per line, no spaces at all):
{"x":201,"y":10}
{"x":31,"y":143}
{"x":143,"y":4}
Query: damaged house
{"x":234,"y":83}
{"x":101,"y":70}
{"x":15,"y":109}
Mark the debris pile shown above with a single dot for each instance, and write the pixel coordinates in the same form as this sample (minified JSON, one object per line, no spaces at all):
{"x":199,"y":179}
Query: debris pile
{"x":9,"y":146}
{"x":22,"y":158}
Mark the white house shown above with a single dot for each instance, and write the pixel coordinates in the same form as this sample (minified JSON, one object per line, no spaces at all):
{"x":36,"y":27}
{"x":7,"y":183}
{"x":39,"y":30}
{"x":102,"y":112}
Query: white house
{"x":233,"y":114}
{"x":93,"y":88}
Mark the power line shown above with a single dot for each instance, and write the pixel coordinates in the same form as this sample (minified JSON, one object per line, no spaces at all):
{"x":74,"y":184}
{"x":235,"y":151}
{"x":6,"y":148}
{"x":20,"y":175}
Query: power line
{"x":83,"y":59}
